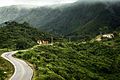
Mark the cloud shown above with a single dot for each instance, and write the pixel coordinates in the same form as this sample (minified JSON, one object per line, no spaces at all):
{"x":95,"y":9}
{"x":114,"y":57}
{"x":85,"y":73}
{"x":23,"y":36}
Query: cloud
{"x":6,"y":2}
{"x":33,"y":2}
{"x":41,"y":2}
{"x":98,"y":0}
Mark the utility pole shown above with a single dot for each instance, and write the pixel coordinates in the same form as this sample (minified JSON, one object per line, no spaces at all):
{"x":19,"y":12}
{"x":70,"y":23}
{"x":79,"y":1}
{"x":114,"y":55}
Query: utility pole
{"x":51,"y":40}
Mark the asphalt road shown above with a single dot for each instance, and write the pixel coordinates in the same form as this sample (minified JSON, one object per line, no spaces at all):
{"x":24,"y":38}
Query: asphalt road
{"x":22,"y":70}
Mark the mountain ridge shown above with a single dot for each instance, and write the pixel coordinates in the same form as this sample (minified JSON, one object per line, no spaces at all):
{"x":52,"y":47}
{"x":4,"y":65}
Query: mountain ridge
{"x":72,"y":19}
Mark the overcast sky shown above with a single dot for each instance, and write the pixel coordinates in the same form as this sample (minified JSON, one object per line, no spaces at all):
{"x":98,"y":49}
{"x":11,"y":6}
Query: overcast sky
{"x":40,"y":2}
{"x":33,"y":2}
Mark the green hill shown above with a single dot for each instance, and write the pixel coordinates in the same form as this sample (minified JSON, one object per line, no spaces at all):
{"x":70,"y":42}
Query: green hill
{"x":75,"y":19}
{"x":105,"y":22}
{"x":19,"y":36}
{"x":76,"y":61}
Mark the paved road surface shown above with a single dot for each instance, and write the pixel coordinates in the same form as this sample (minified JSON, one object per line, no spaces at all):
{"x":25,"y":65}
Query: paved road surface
{"x":22,"y":70}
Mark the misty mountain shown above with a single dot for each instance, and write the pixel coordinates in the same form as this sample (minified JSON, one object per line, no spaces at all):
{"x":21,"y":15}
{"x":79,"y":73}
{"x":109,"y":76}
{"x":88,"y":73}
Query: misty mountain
{"x":11,"y":13}
{"x":71,"y":19}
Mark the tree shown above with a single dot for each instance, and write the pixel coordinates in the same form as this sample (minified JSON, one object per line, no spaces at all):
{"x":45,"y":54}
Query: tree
{"x":22,"y":44}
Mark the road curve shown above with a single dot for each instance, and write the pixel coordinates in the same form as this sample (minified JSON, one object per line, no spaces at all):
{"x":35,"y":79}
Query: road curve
{"x":22,"y":70}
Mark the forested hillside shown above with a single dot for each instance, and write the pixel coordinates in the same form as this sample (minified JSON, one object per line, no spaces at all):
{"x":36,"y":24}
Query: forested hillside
{"x":76,"y":61}
{"x":72,"y":28}
{"x":106,"y":22}
{"x":20,"y":36}
{"x":75,"y":19}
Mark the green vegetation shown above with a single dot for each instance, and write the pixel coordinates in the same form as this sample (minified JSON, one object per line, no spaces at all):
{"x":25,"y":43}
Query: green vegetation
{"x":19,"y":36}
{"x":76,"y":61}
{"x":63,"y":60}
{"x":77,"y":19}
{"x":6,"y":68}
{"x":16,"y":36}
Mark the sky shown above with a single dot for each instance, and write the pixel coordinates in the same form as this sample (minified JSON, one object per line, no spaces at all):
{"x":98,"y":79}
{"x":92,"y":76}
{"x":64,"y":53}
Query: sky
{"x":40,"y":2}
{"x":33,"y":2}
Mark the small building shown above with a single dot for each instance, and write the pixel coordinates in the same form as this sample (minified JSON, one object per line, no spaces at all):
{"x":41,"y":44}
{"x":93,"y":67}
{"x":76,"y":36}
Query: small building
{"x":40,"y":42}
{"x":104,"y":37}
{"x":110,"y":36}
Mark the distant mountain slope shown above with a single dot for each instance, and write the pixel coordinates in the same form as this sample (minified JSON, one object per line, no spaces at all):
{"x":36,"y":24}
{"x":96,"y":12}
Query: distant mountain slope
{"x":11,"y":13}
{"x":39,"y":16}
{"x":74,"y":17}
{"x":107,"y":21}
{"x":20,"y":36}
{"x":71,"y":19}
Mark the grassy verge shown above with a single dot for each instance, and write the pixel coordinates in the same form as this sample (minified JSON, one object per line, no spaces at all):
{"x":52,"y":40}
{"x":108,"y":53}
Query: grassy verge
{"x":6,"y":68}
{"x":75,"y":61}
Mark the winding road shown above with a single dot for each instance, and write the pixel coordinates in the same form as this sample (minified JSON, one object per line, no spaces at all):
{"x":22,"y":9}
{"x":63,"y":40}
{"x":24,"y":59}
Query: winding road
{"x":22,"y":70}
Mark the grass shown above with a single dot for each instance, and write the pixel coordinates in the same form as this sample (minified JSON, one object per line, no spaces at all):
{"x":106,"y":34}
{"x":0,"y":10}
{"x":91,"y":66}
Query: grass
{"x":6,"y":68}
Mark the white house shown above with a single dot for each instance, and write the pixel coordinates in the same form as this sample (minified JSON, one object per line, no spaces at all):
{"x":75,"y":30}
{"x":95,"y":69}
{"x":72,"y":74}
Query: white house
{"x":42,"y":42}
{"x":105,"y":36}
{"x":110,"y":36}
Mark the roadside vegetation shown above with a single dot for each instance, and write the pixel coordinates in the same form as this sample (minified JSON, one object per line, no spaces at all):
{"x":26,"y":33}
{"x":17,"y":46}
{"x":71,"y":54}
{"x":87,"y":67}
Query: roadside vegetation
{"x":6,"y":68}
{"x":76,"y":61}
{"x":16,"y":36}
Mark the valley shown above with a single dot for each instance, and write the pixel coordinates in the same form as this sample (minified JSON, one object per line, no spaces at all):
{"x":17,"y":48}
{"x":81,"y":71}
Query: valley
{"x":72,"y":41}
{"x":75,"y":19}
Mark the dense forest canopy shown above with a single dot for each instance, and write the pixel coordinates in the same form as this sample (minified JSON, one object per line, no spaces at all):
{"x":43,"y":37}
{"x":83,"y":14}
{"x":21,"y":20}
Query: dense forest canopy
{"x":20,"y":36}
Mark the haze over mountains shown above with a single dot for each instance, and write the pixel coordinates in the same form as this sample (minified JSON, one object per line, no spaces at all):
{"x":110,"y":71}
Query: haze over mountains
{"x":79,"y":18}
